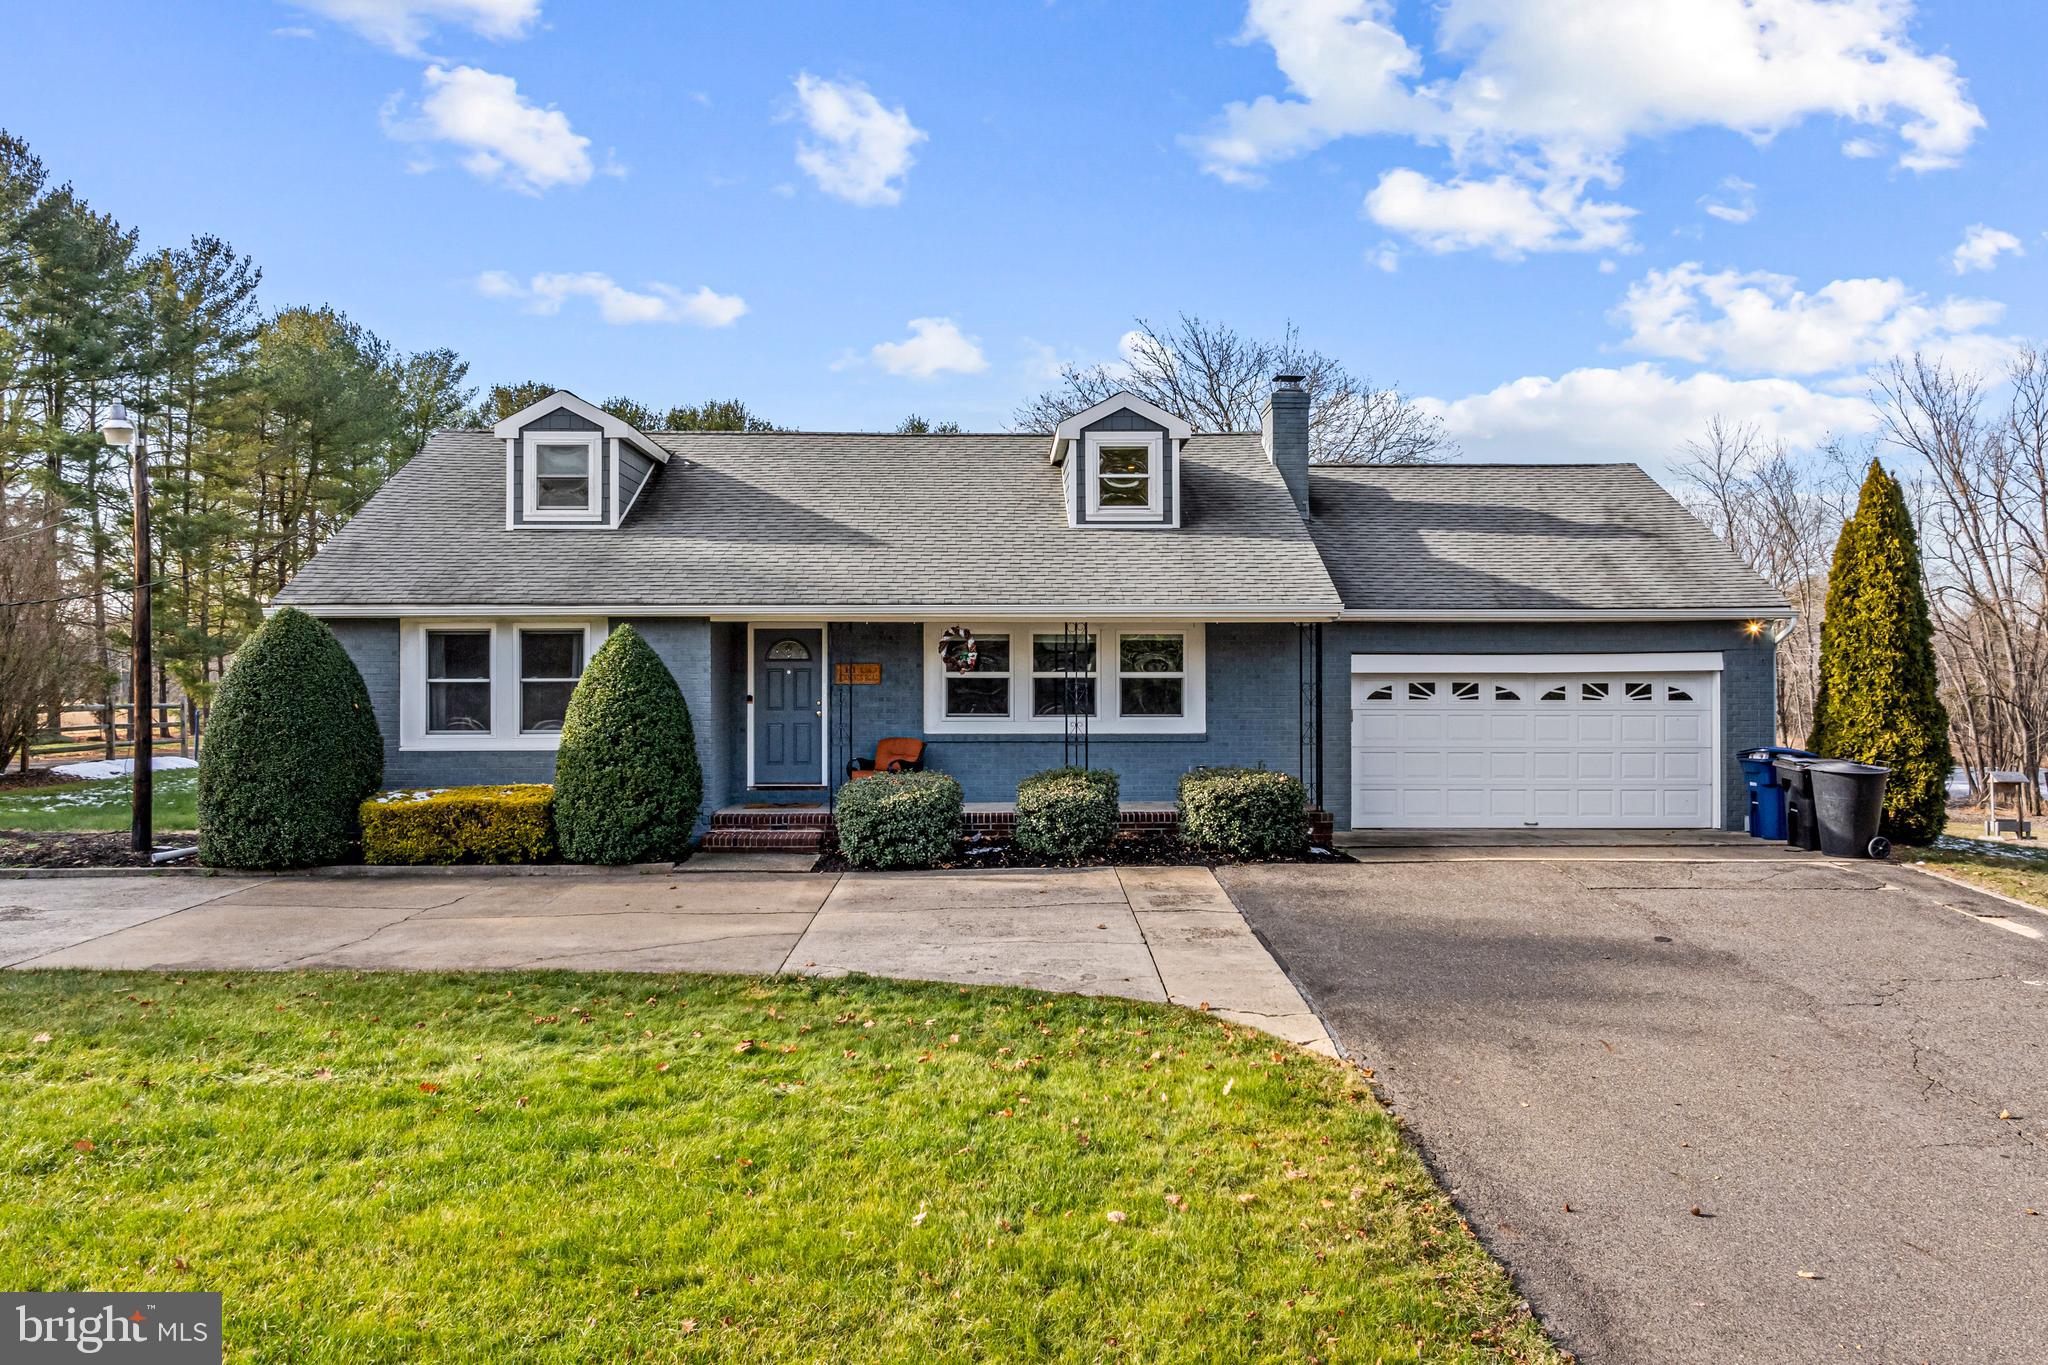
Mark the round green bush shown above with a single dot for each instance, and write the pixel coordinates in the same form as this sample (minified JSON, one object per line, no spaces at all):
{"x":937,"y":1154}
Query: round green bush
{"x":1246,"y":812}
{"x":627,"y":783}
{"x":291,"y":750}
{"x":1066,"y":812}
{"x":898,"y":819}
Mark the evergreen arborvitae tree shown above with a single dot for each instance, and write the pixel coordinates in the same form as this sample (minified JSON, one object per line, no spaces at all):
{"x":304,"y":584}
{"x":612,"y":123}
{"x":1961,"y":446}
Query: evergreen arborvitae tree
{"x":292,"y":749}
{"x":627,"y":783}
{"x":1878,"y":700}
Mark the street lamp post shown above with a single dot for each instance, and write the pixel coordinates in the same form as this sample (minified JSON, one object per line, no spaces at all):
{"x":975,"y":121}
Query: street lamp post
{"x":119,"y":429}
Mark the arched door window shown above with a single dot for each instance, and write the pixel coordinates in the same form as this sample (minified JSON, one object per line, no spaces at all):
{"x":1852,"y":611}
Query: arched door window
{"x":785,"y":651}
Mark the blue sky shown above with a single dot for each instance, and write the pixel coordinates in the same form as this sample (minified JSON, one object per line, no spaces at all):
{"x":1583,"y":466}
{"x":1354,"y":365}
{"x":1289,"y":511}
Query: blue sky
{"x":844,"y":213}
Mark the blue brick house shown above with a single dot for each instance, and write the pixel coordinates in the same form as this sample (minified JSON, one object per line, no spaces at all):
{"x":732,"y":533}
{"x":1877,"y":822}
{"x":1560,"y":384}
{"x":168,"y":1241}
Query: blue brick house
{"x":1427,"y":646}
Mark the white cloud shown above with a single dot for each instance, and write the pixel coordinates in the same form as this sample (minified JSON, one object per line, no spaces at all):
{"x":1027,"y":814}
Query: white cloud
{"x":616,"y":304}
{"x":1761,"y":323}
{"x":935,"y":347}
{"x":1386,"y":256}
{"x":502,"y":136}
{"x":1503,"y":215}
{"x":1553,"y":91}
{"x":1861,"y":148}
{"x":862,"y":149}
{"x":1736,"y":203}
{"x":1638,"y":412}
{"x":402,"y":25}
{"x":1981,"y":247}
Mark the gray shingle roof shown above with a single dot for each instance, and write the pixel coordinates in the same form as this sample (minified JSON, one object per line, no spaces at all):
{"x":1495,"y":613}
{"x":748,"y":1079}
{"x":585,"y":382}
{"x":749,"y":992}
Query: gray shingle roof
{"x":1565,"y":538}
{"x":827,"y":520}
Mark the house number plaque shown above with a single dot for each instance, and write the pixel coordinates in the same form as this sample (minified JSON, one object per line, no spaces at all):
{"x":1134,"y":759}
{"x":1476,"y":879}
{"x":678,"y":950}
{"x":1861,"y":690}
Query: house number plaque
{"x":859,"y":675}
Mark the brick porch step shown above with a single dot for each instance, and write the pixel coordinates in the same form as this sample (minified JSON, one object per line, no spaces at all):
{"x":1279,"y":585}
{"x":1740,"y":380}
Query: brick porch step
{"x":774,"y":829}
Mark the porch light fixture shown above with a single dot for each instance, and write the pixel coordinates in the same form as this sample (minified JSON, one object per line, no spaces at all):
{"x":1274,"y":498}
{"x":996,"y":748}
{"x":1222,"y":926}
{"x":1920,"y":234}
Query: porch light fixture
{"x":1753,"y":628}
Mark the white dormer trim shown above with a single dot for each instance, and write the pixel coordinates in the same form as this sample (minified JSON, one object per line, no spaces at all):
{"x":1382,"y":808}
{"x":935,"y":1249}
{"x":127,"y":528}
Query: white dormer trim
{"x":1068,"y":431}
{"x":508,"y":429}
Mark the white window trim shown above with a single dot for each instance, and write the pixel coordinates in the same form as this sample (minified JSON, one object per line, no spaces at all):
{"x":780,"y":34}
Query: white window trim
{"x":593,"y":445}
{"x":1155,"y":477}
{"x":1117,"y":675}
{"x":504,"y":732}
{"x":1008,"y":675}
{"x":1108,"y":718}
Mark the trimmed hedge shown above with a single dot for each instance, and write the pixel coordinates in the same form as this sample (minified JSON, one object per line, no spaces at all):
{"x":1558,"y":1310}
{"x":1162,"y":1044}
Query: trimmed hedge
{"x":898,"y":819}
{"x":514,"y":824}
{"x":627,"y":783}
{"x":1249,"y":812}
{"x":1066,"y":812}
{"x":291,"y":750}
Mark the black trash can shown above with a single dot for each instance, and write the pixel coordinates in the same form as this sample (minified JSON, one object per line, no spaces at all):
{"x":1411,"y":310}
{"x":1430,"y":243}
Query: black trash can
{"x":1848,"y":803}
{"x":1795,"y":775}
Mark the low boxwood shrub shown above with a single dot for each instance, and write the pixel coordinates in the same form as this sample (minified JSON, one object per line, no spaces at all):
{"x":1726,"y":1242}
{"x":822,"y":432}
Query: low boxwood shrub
{"x":627,"y":781}
{"x":898,"y":819}
{"x":291,"y":750}
{"x":1248,"y":812}
{"x":514,"y":824}
{"x":1066,"y":812}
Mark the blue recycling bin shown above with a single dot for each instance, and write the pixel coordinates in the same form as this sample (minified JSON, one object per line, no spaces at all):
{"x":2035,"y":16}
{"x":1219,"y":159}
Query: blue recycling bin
{"x":1766,"y":792}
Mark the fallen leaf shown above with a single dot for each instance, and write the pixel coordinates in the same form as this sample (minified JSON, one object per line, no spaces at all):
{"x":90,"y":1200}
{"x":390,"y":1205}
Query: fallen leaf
{"x":429,"y":1088}
{"x":1115,"y":1215}
{"x":83,"y":1144}
{"x":40,"y":1038}
{"x":323,"y":1073}
{"x":1808,"y":1275}
{"x":744,"y":1045}
{"x":1247,"y":1199}
{"x":662,"y":1067}
{"x":917,"y":1219}
{"x":1698,"y":1212}
{"x":2005,"y":1113}
{"x":689,"y":1325}
{"x":178,"y":1263}
{"x":1176,"y":1201}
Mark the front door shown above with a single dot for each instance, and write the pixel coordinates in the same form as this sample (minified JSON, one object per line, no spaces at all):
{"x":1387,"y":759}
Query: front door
{"x":787,"y":712}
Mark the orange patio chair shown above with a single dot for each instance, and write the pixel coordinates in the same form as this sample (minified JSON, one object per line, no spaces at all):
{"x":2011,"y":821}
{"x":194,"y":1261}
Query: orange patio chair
{"x":891,"y":756}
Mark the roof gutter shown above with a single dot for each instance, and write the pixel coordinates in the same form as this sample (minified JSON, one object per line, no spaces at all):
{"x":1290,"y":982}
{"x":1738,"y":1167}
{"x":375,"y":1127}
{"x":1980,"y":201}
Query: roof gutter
{"x":1261,"y":611}
{"x":1754,"y":613}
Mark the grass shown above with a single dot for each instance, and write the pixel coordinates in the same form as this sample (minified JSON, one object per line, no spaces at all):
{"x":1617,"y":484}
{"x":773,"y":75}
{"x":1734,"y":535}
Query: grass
{"x":102,"y":804}
{"x":2015,"y":869}
{"x":554,"y":1167}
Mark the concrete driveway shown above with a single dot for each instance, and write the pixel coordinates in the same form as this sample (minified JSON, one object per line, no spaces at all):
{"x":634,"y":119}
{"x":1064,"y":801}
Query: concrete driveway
{"x":1710,"y":1103}
{"x":1166,"y":934}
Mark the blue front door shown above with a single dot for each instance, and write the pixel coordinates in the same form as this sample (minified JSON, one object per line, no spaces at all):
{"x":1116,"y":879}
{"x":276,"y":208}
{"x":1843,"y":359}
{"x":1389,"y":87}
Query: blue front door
{"x":787,"y":708}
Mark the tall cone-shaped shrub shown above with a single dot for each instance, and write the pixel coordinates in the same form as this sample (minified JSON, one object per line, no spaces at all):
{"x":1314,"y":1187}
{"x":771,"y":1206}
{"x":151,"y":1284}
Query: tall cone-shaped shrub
{"x":627,"y":784}
{"x":291,"y":750}
{"x":1879,"y":700}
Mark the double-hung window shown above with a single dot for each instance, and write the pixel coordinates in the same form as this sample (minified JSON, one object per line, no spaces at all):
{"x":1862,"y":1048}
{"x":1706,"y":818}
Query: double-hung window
{"x":1125,"y":473}
{"x":562,"y":476}
{"x":458,"y":682}
{"x":984,"y":689}
{"x":1062,"y":675}
{"x":550,"y":662}
{"x":1151,"y":674}
{"x":501,"y":684}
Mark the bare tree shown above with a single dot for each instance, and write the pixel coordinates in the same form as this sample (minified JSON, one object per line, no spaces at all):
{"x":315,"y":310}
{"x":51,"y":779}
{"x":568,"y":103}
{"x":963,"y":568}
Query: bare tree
{"x":1985,"y":536}
{"x":1217,"y":379}
{"x":39,"y":657}
{"x":1782,"y":515}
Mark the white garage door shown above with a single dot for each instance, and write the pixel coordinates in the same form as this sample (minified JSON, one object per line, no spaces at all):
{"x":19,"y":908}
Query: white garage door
{"x":1599,"y":747}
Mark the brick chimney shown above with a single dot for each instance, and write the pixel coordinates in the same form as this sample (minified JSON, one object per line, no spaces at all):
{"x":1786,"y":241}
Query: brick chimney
{"x":1284,"y":432}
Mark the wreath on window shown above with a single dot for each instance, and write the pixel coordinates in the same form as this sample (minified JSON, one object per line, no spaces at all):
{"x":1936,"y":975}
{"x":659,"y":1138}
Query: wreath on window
{"x":957,"y":649}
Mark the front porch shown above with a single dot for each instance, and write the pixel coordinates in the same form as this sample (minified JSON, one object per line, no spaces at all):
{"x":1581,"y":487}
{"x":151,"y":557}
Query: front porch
{"x":801,"y":828}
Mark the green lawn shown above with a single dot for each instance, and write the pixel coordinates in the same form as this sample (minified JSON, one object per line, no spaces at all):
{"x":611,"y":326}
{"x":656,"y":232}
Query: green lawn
{"x":565,"y":1167}
{"x":102,"y":804}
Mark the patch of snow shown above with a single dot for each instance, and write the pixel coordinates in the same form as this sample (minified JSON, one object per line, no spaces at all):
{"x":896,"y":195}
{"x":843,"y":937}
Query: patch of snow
{"x":119,"y":767}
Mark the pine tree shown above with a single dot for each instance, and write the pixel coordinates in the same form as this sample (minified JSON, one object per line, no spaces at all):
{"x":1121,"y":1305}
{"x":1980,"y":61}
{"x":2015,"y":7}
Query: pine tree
{"x":1878,"y":700}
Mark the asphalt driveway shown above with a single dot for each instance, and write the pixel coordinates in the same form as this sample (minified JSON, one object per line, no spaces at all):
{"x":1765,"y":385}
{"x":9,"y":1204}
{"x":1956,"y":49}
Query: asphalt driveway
{"x":1706,"y":1105}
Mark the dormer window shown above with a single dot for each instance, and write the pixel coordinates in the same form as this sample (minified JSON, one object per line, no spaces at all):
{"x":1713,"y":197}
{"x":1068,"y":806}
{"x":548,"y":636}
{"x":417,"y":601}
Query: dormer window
{"x":1124,"y":476}
{"x":572,"y":466}
{"x":1119,"y":464}
{"x":561,"y":477}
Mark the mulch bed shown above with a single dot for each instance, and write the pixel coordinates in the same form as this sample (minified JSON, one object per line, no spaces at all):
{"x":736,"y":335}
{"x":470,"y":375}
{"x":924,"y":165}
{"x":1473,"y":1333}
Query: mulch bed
{"x":1142,"y":849}
{"x":103,"y":848}
{"x":34,"y":777}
